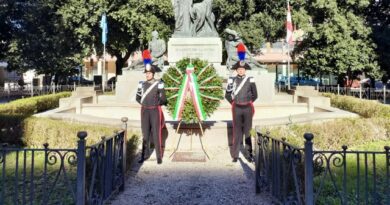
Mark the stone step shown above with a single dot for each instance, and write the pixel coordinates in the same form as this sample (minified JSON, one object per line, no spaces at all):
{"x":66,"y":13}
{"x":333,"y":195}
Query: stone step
{"x":85,"y":89}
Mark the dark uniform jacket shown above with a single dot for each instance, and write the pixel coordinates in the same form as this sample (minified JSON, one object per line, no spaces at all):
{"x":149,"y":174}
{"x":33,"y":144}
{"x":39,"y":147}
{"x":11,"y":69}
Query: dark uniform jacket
{"x":246,"y":95}
{"x":155,"y":97}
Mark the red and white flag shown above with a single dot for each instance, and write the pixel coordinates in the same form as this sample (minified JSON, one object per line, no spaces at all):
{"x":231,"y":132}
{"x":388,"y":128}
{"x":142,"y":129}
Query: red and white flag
{"x":289,"y":26}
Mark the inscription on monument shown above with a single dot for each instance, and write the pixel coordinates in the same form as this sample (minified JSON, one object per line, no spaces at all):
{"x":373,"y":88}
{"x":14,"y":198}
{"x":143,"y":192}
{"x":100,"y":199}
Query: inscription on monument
{"x":195,"y":48}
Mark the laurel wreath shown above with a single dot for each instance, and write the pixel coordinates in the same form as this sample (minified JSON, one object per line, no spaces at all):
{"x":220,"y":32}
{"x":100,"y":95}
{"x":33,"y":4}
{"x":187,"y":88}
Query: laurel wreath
{"x":210,"y":87}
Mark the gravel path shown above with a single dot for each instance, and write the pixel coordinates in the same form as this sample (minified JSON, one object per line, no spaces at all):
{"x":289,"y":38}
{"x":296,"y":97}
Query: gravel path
{"x":217,"y":181}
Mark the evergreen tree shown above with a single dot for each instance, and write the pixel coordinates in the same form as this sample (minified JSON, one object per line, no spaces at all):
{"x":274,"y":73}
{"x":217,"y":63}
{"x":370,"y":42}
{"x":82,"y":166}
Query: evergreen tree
{"x":338,"y":41}
{"x":37,"y":39}
{"x":378,"y":16}
{"x":130,"y":23}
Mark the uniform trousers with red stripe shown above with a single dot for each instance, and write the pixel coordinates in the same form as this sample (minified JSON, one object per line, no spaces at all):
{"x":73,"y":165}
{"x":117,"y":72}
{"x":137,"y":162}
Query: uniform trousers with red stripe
{"x":242,"y":124}
{"x":151,"y":125}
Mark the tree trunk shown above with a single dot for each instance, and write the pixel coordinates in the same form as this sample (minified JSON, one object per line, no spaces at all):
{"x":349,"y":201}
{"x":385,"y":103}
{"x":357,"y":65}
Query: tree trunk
{"x":120,"y":61}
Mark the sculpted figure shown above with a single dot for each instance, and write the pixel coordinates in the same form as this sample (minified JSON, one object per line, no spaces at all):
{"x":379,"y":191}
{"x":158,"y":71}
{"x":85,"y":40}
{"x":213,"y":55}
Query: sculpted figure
{"x":194,"y":20}
{"x":231,"y":43}
{"x":183,"y":27}
{"x":157,"y":49}
{"x":203,"y":19}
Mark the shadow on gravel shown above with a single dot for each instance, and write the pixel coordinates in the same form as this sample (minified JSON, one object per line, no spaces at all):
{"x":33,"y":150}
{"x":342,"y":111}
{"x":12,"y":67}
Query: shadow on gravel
{"x":248,"y":171}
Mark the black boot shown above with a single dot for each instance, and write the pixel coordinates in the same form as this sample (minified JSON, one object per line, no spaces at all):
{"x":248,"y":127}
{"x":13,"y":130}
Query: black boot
{"x":142,"y":159}
{"x":249,"y":153}
{"x":159,"y":161}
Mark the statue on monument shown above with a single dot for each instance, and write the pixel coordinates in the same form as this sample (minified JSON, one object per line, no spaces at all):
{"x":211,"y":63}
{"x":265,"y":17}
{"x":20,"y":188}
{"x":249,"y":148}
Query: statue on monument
{"x":157,"y":48}
{"x":232,"y":40}
{"x":203,"y":19}
{"x":194,"y":20}
{"x":182,"y":18}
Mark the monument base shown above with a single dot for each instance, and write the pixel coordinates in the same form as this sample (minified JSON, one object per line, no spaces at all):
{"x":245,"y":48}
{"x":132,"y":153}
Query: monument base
{"x":209,"y":49}
{"x":265,"y":83}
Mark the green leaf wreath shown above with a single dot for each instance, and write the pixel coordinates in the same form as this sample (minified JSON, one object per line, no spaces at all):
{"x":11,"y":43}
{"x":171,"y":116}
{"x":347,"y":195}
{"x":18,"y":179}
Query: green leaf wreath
{"x":210,"y":83}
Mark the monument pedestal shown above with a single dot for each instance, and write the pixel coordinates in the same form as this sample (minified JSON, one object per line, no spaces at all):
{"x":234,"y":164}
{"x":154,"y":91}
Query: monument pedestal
{"x":209,"y":49}
{"x":265,"y":83}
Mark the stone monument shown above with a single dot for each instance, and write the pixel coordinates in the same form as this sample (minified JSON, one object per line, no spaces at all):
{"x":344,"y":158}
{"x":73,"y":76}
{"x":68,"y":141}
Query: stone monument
{"x":265,"y":81}
{"x":231,"y":43}
{"x":157,"y":49}
{"x":195,"y":35}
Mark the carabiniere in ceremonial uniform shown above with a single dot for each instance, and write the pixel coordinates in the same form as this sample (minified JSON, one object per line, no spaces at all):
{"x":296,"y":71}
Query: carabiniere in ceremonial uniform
{"x":241,"y":92}
{"x":151,"y":96}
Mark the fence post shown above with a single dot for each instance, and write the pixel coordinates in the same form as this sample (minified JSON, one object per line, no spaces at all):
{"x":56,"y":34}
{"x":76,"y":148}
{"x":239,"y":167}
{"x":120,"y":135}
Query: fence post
{"x":124,"y":128}
{"x":32,"y":89}
{"x":45,"y":187}
{"x":74,"y":86}
{"x":9,"y":90}
{"x":109,"y":171}
{"x":360,"y":91}
{"x":344,"y":199}
{"x":338,"y":89}
{"x":384,"y":94}
{"x":81,"y":161}
{"x":309,"y":192}
{"x":387,"y":151}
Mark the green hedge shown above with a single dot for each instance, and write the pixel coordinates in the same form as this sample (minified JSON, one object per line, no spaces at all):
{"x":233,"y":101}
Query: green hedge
{"x":60,"y":134}
{"x":331,"y":135}
{"x":30,"y":106}
{"x":362,"y":132}
{"x":365,"y":108}
{"x":12,"y":115}
{"x":11,"y":128}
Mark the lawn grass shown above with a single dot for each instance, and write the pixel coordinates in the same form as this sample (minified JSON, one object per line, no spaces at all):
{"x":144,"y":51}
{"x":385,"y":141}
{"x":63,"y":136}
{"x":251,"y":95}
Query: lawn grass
{"x":25,"y":176}
{"x":370,"y":132}
{"x":24,"y":173}
{"x":24,"y":179}
{"x":357,"y":172}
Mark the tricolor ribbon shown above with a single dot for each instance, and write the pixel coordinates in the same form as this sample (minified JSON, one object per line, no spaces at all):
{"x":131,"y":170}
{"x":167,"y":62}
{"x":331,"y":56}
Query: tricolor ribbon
{"x":189,"y":84}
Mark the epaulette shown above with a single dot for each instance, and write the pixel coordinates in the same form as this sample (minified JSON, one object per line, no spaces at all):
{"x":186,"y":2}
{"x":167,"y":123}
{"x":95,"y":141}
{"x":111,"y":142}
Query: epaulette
{"x":230,"y":80}
{"x":251,"y":79}
{"x":161,"y":84}
{"x":140,"y":83}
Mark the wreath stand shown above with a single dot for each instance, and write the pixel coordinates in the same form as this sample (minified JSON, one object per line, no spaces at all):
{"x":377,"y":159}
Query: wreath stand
{"x":200,"y":139}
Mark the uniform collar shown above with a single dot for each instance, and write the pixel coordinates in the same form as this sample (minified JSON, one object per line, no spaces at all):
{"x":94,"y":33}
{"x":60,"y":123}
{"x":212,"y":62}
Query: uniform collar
{"x":151,"y":81}
{"x":240,"y":77}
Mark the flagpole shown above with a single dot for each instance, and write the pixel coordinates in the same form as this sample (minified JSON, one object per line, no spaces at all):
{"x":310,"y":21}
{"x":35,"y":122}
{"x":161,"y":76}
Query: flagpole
{"x":288,"y":65}
{"x":103,"y":25}
{"x":104,"y":68}
{"x":288,"y":50}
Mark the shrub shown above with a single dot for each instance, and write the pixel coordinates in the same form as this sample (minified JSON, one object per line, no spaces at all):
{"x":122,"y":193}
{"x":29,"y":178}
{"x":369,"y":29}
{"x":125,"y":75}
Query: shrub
{"x":11,"y":129}
{"x":330,"y":135}
{"x":25,"y":107}
{"x":365,"y":108}
{"x":61,"y":134}
{"x":47,"y":102}
{"x":13,"y":114}
{"x":30,"y":106}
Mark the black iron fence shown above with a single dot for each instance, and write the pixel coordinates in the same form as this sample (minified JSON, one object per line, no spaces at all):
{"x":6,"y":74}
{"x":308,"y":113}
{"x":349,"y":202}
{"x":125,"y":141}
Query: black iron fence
{"x":296,"y":175}
{"x":84,"y":175}
{"x":380,"y":94}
